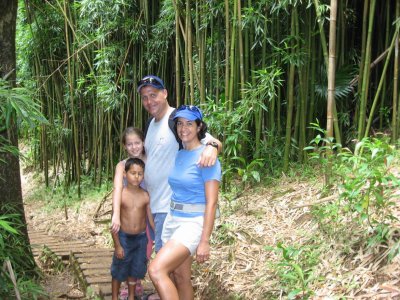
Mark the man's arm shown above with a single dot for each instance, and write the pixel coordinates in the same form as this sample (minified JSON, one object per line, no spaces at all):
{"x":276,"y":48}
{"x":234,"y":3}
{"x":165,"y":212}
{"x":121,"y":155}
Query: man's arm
{"x":209,"y":156}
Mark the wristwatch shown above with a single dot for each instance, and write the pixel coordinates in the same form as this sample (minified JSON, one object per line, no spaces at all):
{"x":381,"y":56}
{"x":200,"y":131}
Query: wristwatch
{"x":213,"y":144}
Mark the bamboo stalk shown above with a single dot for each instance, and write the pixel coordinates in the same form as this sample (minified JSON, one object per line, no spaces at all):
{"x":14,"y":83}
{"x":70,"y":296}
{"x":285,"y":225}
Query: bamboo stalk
{"x":7,"y":264}
{"x":289,"y":113}
{"x":377,"y":94}
{"x":366,"y":73}
{"x":396,"y":98}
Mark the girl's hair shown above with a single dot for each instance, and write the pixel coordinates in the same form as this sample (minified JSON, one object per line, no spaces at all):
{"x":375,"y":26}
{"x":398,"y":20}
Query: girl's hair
{"x":132,"y":130}
{"x":133,"y":161}
{"x":200,"y":123}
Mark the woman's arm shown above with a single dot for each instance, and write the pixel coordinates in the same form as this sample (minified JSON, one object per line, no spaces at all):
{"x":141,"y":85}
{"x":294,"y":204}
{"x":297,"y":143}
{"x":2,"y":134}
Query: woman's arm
{"x":116,"y":197}
{"x":203,"y":250}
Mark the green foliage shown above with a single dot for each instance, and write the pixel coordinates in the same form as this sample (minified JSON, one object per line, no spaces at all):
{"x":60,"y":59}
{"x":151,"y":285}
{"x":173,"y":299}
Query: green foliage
{"x":342,"y":83}
{"x":242,"y":156}
{"x":248,"y":173}
{"x":6,"y":147}
{"x":295,"y":269}
{"x":224,"y":234}
{"x":162,"y":32}
{"x":385,"y":236}
{"x":13,"y":247}
{"x":322,"y":148}
{"x":366,"y":188}
{"x":366,"y":181}
{"x":18,"y":101}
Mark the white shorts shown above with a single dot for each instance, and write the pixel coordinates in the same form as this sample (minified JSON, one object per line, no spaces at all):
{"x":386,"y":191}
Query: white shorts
{"x":186,"y":231}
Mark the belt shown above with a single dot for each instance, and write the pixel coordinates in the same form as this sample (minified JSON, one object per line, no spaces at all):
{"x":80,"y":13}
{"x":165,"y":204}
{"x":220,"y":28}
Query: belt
{"x":187,"y":207}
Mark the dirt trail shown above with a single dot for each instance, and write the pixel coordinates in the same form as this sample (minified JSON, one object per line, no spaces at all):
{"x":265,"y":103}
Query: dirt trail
{"x":241,"y":262}
{"x":79,"y":228}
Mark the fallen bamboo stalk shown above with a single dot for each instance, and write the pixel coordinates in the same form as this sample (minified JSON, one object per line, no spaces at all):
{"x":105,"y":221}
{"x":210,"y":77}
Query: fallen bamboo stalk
{"x":326,"y":199}
{"x":7,"y":264}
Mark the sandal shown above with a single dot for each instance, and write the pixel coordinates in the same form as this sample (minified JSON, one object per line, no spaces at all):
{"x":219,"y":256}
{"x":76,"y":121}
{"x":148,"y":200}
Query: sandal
{"x":123,"y":294}
{"x":139,"y":289}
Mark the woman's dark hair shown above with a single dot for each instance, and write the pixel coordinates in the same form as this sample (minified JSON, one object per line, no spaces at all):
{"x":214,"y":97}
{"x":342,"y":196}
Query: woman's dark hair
{"x":200,"y":123}
{"x":133,"y":161}
{"x":203,"y":129}
{"x":132,"y":130}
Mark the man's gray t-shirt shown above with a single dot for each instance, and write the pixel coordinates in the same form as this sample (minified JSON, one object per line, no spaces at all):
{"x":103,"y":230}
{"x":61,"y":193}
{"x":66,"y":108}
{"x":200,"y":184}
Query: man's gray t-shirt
{"x":161,"y":148}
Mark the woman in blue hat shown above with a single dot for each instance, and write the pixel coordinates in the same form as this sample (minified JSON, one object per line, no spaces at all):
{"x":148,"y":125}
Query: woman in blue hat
{"x":188,"y":226}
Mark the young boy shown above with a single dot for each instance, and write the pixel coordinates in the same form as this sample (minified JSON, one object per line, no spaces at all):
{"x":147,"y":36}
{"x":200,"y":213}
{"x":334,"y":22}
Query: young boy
{"x":129,"y":260}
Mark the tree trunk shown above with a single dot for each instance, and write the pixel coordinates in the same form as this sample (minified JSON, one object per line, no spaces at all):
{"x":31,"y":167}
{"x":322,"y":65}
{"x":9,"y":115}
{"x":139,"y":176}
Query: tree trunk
{"x":10,"y":180}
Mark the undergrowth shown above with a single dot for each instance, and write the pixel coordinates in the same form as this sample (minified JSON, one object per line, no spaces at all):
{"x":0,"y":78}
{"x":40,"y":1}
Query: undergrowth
{"x":57,"y":198}
{"x":16,"y":263}
{"x":360,"y":218}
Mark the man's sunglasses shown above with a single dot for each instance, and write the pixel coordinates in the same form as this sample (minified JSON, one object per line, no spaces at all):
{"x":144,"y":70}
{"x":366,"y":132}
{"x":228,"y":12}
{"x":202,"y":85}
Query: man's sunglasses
{"x":150,"y":80}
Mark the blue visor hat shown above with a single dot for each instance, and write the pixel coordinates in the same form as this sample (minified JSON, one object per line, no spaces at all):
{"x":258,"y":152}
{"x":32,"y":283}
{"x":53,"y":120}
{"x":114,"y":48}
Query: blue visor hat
{"x":188,"y":112}
{"x":154,"y":81}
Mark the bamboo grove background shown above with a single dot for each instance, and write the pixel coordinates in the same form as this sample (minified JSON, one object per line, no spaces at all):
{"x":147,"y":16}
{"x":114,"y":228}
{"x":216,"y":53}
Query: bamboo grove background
{"x":257,"y":68}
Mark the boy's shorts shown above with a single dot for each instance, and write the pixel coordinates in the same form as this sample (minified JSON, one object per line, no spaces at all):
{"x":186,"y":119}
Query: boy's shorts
{"x":134,"y":263}
{"x":186,"y":231}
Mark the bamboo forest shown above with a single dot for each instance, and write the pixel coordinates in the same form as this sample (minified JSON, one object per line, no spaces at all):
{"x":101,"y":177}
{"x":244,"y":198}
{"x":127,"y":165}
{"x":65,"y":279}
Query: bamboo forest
{"x":302,"y":94}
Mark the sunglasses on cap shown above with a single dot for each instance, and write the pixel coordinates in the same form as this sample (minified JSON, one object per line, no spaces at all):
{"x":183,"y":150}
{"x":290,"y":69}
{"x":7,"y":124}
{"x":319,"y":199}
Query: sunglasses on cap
{"x":189,"y":112}
{"x":188,"y":107}
{"x":149,"y":80}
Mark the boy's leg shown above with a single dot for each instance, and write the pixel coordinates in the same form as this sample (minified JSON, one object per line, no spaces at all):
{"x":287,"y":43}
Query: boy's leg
{"x":131,"y":288}
{"x":115,"y":285}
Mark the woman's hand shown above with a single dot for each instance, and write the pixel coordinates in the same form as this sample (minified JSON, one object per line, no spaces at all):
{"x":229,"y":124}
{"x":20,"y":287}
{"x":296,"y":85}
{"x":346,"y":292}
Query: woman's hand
{"x":203,"y":252}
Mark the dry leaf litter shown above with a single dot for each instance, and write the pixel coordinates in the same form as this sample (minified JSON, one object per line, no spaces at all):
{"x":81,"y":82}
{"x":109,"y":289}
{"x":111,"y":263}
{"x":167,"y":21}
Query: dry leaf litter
{"x":242,"y":262}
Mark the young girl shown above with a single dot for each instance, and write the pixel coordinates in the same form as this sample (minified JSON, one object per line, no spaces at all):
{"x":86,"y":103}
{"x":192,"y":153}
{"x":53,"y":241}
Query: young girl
{"x":133,"y":141}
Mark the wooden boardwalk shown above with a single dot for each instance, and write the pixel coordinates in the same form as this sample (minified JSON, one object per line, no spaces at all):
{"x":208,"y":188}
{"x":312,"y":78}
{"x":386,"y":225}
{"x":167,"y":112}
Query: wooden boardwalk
{"x":90,"y":265}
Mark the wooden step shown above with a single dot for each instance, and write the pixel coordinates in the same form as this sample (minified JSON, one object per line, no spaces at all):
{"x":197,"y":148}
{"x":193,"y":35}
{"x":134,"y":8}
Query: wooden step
{"x":90,"y":265}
